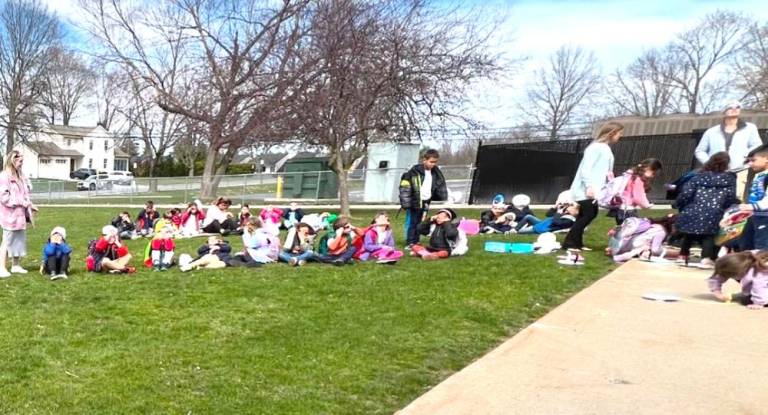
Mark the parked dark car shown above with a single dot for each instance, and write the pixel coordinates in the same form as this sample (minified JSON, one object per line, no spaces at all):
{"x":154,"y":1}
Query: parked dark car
{"x":81,"y":174}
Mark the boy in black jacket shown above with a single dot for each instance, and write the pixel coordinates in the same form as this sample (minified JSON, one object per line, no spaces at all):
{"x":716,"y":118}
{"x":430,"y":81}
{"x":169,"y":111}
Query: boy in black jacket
{"x":126,"y":229}
{"x":443,"y":233}
{"x":419,"y":186}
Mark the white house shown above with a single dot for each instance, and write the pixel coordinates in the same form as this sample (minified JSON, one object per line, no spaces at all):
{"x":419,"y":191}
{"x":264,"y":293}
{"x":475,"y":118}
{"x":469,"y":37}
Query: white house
{"x":56,"y":150}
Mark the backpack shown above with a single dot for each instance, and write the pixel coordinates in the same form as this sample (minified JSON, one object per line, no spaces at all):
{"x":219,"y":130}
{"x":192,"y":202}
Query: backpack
{"x":609,"y":196}
{"x":624,"y":233}
{"x":91,"y":256}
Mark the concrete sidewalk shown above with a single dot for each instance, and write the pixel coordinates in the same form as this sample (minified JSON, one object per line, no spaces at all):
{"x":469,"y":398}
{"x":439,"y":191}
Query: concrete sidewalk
{"x":608,"y":351}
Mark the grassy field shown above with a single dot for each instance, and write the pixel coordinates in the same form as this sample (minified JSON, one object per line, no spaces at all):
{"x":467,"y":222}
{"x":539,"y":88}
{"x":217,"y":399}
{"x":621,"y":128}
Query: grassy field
{"x":363,"y":338}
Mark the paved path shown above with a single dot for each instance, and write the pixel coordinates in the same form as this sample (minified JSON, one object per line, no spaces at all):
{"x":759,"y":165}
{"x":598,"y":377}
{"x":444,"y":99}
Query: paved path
{"x":608,"y":351}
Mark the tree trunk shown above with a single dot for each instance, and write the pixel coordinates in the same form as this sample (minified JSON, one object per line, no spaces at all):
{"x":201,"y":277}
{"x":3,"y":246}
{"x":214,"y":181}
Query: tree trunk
{"x":152,"y":180}
{"x":191,"y":170}
{"x":208,"y":187}
{"x":337,"y":165}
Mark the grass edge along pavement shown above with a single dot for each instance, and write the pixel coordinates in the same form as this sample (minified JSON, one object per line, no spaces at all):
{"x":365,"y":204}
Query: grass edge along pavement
{"x":363,"y":338}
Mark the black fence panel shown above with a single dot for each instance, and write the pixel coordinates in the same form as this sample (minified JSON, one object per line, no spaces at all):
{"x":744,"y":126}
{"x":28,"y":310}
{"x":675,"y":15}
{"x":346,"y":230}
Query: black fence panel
{"x":544,"y":169}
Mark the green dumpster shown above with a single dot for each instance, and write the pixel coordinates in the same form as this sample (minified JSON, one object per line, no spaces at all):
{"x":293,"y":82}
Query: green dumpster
{"x":309,"y":178}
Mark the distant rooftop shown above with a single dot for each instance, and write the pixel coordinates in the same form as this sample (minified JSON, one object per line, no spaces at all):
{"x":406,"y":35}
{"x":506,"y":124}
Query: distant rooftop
{"x":43,"y":148}
{"x":680,"y":123}
{"x":70,"y":131}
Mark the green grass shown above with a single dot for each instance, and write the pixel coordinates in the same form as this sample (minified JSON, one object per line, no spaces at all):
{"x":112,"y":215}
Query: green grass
{"x":363,"y":338}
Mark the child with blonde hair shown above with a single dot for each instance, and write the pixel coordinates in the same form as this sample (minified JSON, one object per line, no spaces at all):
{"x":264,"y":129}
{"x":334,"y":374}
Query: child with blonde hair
{"x":750,"y":269}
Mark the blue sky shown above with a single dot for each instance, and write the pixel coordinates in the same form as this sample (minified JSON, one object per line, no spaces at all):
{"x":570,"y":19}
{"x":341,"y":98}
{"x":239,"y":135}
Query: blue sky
{"x":617,"y":31}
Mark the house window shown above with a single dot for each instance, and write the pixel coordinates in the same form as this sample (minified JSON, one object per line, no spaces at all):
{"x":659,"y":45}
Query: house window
{"x":105,"y":163}
{"x":45,"y":161}
{"x":90,"y":145}
{"x":90,"y":163}
{"x":69,"y":142}
{"x":106,"y":146}
{"x":121,"y":165}
{"x":61,"y":161}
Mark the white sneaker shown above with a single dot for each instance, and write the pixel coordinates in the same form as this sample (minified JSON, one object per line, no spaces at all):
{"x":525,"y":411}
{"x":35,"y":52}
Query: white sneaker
{"x":4,"y":273}
{"x":185,"y":268}
{"x":706,"y":263}
{"x":16,"y":269}
{"x":58,"y":277}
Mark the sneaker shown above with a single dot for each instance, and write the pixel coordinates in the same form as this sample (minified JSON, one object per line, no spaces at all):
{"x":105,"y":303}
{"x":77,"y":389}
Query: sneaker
{"x":430,"y":257}
{"x":4,"y":273}
{"x":164,"y":267}
{"x":387,"y":261}
{"x":706,"y":263}
{"x":584,"y":248}
{"x":301,"y":263}
{"x":58,"y":277}
{"x":16,"y":269}
{"x":129,"y":269}
{"x":116,"y":271}
{"x":510,"y":232}
{"x":338,"y":262}
{"x":293,"y":262}
{"x":185,"y":268}
{"x":408,"y":247}
{"x":489,"y":231}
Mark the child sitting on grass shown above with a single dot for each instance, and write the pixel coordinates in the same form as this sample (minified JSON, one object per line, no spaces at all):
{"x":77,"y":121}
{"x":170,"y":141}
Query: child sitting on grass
{"x":378,"y":243}
{"x":261,"y":246}
{"x":56,"y":255}
{"x":109,"y":254}
{"x":245,"y":214}
{"x":165,"y":220}
{"x":297,"y":249}
{"x":292,"y":216}
{"x":443,"y":234}
{"x":214,"y":254}
{"x":561,"y":218}
{"x":750,"y":269}
{"x":336,"y":246}
{"x":191,"y":220}
{"x":497,"y":220}
{"x":270,"y":219}
{"x":126,"y":229}
{"x":160,"y":249}
{"x":146,"y":219}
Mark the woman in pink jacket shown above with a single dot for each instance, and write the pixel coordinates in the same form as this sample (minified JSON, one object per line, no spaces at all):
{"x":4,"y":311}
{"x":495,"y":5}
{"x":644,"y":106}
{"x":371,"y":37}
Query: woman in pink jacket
{"x":16,"y":210}
{"x":635,"y":194}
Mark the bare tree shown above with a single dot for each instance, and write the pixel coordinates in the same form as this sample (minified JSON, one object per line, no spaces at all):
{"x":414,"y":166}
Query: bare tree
{"x":700,"y":78}
{"x":108,"y":95}
{"x":66,"y":81}
{"x":752,"y":67}
{"x":644,"y":87}
{"x":560,"y":88}
{"x":191,"y":146}
{"x":388,"y":68}
{"x":239,"y":55}
{"x":27,"y":34}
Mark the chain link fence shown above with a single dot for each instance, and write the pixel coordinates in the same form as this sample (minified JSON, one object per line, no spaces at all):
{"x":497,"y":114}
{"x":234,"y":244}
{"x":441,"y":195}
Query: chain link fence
{"x":310,"y":187}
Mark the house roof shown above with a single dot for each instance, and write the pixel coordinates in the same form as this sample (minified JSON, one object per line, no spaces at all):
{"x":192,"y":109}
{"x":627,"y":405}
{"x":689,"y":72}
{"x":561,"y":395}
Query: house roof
{"x":69,"y":131}
{"x":43,"y":148}
{"x":120,"y":154}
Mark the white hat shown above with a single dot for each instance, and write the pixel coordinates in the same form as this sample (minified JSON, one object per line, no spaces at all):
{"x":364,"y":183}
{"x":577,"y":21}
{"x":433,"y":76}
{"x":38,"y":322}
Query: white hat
{"x":60,"y":230}
{"x":108,"y":230}
{"x":565,"y":197}
{"x":521,"y":201}
{"x":732,"y":104}
{"x":546,"y":243}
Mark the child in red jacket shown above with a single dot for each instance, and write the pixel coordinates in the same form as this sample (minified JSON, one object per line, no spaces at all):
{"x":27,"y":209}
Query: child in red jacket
{"x":109,"y":254}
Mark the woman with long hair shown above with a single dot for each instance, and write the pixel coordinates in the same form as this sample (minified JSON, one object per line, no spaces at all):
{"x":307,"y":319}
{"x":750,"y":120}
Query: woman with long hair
{"x":16,"y":210}
{"x":595,"y":169}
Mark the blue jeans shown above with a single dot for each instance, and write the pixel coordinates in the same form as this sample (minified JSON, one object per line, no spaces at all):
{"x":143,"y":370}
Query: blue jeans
{"x":413,"y":218}
{"x":760,"y":232}
{"x":345,"y":256}
{"x":286,"y":256}
{"x":528,"y":221}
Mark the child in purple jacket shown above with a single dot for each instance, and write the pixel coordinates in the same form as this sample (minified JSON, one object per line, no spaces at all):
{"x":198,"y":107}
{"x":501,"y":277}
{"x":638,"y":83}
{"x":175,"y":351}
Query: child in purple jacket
{"x":750,"y":268}
{"x":378,"y":243}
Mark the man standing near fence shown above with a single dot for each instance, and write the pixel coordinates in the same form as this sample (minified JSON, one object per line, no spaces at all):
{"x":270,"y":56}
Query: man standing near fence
{"x":419,"y":186}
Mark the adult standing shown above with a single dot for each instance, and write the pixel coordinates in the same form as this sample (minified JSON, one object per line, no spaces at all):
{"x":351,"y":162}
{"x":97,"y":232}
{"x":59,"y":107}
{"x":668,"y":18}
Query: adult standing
{"x":733,"y":135}
{"x":595,"y":169}
{"x":16,"y":210}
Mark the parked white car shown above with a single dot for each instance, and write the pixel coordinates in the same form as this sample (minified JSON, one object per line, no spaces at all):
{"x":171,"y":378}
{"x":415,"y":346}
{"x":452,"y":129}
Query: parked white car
{"x":123,"y":178}
{"x":106,"y":180}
